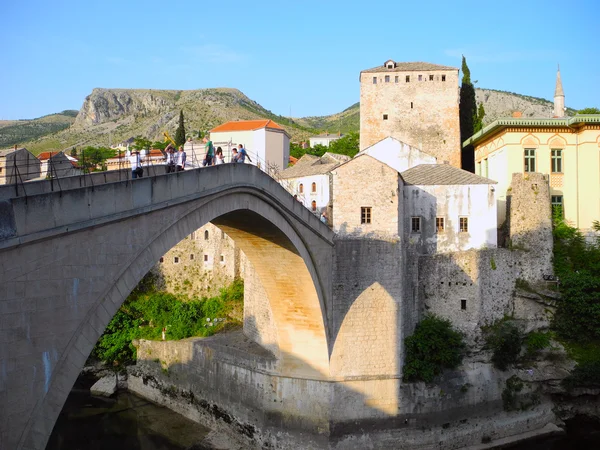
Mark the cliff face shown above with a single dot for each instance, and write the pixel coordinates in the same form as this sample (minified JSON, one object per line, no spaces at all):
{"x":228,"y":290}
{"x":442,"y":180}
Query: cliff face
{"x":104,"y":105}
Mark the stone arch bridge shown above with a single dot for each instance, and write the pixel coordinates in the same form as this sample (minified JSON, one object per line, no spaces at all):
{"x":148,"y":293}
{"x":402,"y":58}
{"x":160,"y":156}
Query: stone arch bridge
{"x":69,"y":258}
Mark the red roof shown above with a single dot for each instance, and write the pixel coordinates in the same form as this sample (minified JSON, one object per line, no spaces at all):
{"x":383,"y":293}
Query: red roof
{"x":293,"y":160}
{"x":46,"y":155}
{"x":247,"y":125}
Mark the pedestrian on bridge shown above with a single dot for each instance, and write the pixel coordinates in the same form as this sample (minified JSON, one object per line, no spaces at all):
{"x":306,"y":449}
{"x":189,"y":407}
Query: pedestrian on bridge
{"x":180,"y":159}
{"x":170,"y":158}
{"x":136,"y":165}
{"x":242,"y":155}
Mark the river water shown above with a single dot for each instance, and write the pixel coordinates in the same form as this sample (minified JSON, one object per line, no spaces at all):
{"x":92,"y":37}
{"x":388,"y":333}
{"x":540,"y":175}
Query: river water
{"x":128,"y":422}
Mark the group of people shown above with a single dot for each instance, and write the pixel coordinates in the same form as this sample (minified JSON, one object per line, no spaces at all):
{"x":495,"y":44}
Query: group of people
{"x":175,"y":160}
{"x":215,"y":157}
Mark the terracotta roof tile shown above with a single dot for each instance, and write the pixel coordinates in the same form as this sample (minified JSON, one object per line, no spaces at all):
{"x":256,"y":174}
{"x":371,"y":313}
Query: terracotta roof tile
{"x":246,"y":125}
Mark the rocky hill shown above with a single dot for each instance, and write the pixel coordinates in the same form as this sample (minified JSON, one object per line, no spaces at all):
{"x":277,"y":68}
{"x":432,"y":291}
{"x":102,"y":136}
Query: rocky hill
{"x":16,"y":131}
{"x":109,"y":116}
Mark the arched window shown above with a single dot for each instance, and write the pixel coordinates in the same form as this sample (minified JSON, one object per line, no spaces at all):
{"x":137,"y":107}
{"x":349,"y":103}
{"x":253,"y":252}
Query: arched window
{"x":314,"y":205}
{"x":206,"y":235}
{"x":314,"y":187}
{"x":301,"y":188}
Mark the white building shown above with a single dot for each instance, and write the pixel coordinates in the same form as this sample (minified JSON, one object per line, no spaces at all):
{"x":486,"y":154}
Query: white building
{"x":398,"y":155}
{"x":266,"y":141}
{"x":310,"y":179}
{"x":324,"y":139}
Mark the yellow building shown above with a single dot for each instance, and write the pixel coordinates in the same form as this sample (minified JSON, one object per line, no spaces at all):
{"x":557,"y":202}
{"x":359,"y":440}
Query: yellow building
{"x":566,"y":150}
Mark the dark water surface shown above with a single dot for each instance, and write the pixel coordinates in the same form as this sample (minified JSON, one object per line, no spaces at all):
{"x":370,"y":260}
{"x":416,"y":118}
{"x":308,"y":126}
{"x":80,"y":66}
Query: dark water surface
{"x":128,"y":422}
{"x":123,"y":422}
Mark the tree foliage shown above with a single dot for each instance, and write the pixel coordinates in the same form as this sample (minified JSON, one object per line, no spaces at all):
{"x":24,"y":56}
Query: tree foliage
{"x":346,"y":145}
{"x":90,"y":158}
{"x":589,"y":111}
{"x":141,"y":143}
{"x":433,"y":347}
{"x":180,"y":132}
{"x":505,"y":340}
{"x":470,"y":121}
{"x":146,"y":312}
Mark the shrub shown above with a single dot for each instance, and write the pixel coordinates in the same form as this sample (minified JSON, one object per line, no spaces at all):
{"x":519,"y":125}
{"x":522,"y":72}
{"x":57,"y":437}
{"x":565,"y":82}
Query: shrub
{"x":514,"y":385}
{"x":434,"y":346}
{"x":536,"y":341}
{"x":504,"y":339}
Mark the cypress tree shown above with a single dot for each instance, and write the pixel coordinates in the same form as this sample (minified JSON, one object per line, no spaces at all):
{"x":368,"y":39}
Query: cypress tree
{"x":180,"y":132}
{"x":468,"y":115}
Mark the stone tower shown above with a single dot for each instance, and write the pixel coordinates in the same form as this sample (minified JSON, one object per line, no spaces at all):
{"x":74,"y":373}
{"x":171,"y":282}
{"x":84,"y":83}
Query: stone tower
{"x":414,"y":102}
{"x":559,"y":97}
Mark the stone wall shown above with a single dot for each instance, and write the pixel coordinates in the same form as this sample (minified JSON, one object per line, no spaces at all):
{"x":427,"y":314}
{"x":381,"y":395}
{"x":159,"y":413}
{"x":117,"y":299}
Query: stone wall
{"x":471,"y":289}
{"x":423,"y":113}
{"x":367,"y":182}
{"x":530,"y":224}
{"x":201,"y":264}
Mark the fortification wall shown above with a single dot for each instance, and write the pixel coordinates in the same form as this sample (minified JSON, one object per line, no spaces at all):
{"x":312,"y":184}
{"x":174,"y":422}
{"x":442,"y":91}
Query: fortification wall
{"x":530,"y":224}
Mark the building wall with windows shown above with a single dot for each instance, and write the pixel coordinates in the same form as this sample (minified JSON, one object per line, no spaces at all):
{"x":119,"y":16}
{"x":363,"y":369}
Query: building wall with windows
{"x":414,"y":102}
{"x":450,"y":218}
{"x":324,"y":139}
{"x":367,"y":199}
{"x":201,"y":264}
{"x":566,"y":151}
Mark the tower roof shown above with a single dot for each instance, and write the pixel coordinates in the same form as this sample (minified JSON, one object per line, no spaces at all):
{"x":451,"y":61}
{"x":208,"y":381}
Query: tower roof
{"x":559,"y":89}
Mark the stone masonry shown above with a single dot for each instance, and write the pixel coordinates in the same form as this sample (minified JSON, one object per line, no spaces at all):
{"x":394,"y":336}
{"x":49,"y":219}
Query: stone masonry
{"x":416,"y":103}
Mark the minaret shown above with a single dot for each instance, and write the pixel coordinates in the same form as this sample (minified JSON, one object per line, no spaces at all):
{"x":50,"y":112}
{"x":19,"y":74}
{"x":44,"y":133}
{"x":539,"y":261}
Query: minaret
{"x":559,"y":97}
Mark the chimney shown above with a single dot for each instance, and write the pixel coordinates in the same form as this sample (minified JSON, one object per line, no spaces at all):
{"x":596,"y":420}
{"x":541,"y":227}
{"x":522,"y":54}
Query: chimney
{"x":517,"y":114}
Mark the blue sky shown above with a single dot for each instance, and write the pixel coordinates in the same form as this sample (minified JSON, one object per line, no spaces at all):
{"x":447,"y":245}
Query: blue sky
{"x":298,"y":56}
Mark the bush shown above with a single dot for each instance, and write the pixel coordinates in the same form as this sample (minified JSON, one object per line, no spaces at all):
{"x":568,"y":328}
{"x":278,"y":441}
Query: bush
{"x":434,"y":346}
{"x":504,"y":339}
{"x":537,"y":341}
{"x":146,"y":312}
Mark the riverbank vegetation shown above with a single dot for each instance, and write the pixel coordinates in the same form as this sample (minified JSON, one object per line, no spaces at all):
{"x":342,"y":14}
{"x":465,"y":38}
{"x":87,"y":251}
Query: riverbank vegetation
{"x":577,"y":318}
{"x":433,"y":347}
{"x":146,"y":312}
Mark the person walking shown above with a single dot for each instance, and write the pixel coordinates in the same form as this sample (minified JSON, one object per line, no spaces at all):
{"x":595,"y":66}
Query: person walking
{"x":180,"y":161}
{"x":234,"y":155}
{"x":136,"y":165}
{"x":210,"y":152}
{"x":243,"y":154}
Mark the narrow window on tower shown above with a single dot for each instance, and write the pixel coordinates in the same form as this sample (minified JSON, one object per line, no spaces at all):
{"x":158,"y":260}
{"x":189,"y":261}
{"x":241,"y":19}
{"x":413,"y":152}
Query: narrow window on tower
{"x":365,"y":214}
{"x":374,"y":80}
{"x":411,"y":105}
{"x":387,"y":78}
{"x":443,"y":77}
{"x":415,"y":224}
{"x":385,"y":117}
{"x":396,"y":79}
{"x":430,"y":77}
{"x":408,"y":78}
{"x":420,"y":77}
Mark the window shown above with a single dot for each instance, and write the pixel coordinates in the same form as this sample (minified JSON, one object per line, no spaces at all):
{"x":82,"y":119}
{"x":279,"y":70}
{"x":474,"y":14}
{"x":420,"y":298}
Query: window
{"x":485,"y":168}
{"x":206,"y":235}
{"x":385,"y":117}
{"x":396,"y":79}
{"x":191,"y":256}
{"x":443,"y":77}
{"x":313,"y":205}
{"x":205,"y":258}
{"x":374,"y":80}
{"x":420,"y":77}
{"x":313,"y":187}
{"x":301,"y":188}
{"x":222,"y":258}
{"x":557,"y":204}
{"x":529,"y":160}
{"x":408,"y":78}
{"x":176,"y":260}
{"x":463,"y":304}
{"x":415,"y":224}
{"x":162,"y":259}
{"x":439,"y":224}
{"x":556,"y":161}
{"x":411,"y":105}
{"x":464,"y":224}
{"x":387,"y":78}
{"x":430,"y":77}
{"x":390,"y":66}
{"x":365,"y":214}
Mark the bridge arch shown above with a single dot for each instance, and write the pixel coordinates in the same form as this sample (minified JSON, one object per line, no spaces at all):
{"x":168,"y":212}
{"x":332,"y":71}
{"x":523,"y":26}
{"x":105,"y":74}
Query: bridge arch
{"x":107,"y":258}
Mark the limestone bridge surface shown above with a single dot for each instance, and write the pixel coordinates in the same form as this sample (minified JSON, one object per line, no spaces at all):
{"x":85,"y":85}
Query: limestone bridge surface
{"x":71,"y":253}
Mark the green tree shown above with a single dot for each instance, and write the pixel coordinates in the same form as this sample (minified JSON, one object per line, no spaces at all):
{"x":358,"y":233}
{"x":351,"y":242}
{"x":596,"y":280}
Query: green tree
{"x":92,"y":157}
{"x":433,"y":347}
{"x":161,"y":145}
{"x":480,"y":115}
{"x":589,"y":111}
{"x":141,"y":143}
{"x":347,"y":145}
{"x":180,"y":132}
{"x":74,"y":152}
{"x":468,"y":115}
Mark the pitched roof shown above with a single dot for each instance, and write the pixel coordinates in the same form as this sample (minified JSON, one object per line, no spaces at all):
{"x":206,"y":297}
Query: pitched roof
{"x":46,"y":155}
{"x":313,"y":165}
{"x":247,"y":125}
{"x":8,"y":151}
{"x":409,"y":67}
{"x":441,"y":174}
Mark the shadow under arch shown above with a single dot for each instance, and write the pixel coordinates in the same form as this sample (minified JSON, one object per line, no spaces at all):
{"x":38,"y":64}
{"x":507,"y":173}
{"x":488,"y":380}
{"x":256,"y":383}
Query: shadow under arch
{"x":274,"y":245}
